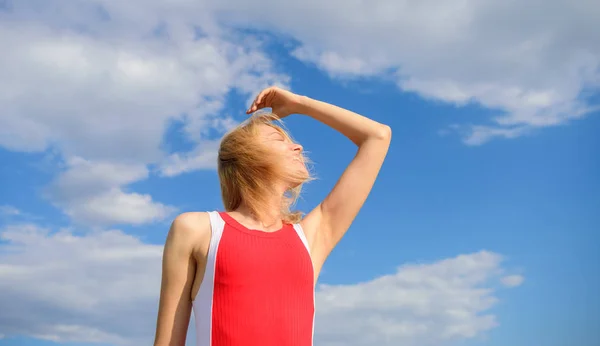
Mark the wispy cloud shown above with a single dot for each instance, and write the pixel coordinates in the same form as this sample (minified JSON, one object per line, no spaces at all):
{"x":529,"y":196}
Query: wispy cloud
{"x":512,"y":280}
{"x":93,"y":193}
{"x":496,"y":54}
{"x":10,"y":213}
{"x":8,"y":210}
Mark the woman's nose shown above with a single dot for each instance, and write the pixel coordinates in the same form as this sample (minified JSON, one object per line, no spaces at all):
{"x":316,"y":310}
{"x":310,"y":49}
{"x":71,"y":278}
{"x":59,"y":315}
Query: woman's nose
{"x":297,"y":147}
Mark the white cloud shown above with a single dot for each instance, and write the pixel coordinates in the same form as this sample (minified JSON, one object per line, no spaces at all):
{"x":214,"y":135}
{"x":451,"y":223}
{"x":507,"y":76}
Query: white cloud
{"x":92,"y":193}
{"x":9,"y":213}
{"x":64,"y":287}
{"x":117,"y":207}
{"x":513,"y":280}
{"x":203,"y":157}
{"x":477,"y":134}
{"x":531,"y":68}
{"x":101,"y":93}
{"x":9,"y":210}
{"x":102,"y":81}
{"x":103,"y":286}
{"x":424,"y":304}
{"x":91,"y":98}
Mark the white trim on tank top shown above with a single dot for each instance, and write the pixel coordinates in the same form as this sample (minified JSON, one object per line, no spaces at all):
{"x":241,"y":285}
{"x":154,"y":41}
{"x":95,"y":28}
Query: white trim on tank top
{"x":203,"y":302}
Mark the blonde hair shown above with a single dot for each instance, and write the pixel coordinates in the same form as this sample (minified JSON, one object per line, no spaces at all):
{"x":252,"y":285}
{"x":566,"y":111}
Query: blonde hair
{"x":247,"y":169}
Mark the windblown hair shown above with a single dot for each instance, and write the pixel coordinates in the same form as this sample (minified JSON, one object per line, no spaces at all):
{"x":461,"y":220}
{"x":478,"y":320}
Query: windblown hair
{"x":247,"y":169}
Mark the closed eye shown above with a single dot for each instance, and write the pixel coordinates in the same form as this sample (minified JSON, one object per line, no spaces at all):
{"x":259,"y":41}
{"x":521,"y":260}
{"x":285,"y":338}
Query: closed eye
{"x":278,"y":137}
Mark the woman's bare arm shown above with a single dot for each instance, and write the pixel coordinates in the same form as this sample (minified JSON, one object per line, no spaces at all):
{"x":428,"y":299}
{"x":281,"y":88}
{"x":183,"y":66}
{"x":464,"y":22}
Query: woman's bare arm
{"x":178,"y":272}
{"x":329,"y":221}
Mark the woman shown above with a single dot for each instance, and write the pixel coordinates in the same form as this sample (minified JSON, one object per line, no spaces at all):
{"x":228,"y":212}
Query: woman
{"x":249,"y":272}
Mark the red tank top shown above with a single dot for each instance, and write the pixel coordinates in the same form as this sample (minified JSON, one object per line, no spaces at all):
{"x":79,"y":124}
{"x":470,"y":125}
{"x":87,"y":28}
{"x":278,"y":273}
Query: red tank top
{"x":258,"y":287}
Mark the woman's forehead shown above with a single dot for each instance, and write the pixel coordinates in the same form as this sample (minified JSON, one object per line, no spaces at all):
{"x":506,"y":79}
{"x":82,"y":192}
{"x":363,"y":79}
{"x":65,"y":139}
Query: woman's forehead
{"x":267,"y":130}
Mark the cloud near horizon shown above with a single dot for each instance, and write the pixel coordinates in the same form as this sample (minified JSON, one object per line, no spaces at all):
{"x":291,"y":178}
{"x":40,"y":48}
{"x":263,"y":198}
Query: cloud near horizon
{"x":103,"y":287}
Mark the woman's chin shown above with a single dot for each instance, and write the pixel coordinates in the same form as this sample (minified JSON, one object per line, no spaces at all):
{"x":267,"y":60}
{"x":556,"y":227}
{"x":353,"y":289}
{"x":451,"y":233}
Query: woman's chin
{"x":300,"y":176}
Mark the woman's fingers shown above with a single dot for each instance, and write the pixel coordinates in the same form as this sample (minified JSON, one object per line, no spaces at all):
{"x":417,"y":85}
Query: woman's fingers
{"x":262,"y":95}
{"x":253,"y":106}
{"x":258,"y":101}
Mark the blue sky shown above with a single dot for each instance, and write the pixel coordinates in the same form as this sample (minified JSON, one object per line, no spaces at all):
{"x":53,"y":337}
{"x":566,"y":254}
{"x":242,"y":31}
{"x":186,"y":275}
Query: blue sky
{"x":482,"y":228}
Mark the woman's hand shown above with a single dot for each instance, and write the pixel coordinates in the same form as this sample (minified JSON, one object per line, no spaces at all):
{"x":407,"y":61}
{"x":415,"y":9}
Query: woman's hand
{"x":282,"y":102}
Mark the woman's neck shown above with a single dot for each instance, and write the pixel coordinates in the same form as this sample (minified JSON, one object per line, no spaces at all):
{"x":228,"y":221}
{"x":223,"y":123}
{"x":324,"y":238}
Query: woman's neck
{"x":270,"y":218}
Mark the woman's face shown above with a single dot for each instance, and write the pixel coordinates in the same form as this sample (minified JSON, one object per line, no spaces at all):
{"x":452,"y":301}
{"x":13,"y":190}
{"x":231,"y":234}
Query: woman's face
{"x":290,"y":152}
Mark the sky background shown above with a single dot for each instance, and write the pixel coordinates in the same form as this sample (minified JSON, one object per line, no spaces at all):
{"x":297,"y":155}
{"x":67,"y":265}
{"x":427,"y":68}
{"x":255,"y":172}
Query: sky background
{"x":482,"y":228}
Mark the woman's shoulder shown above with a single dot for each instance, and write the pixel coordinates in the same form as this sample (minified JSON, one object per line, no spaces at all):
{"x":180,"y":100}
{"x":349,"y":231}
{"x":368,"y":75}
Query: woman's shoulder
{"x":191,"y":220}
{"x":190,"y":227}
